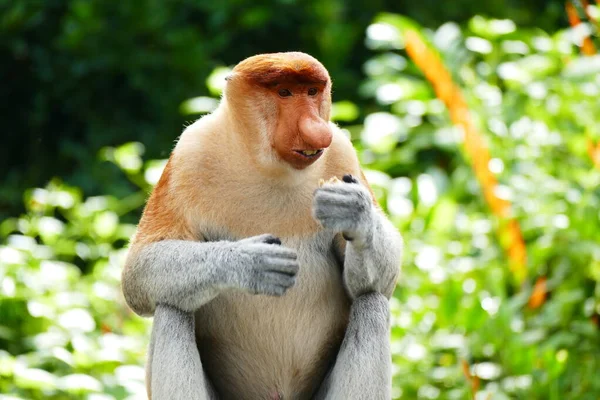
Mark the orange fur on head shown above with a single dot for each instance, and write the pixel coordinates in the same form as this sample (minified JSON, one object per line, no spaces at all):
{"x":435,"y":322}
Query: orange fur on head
{"x":293,"y":67}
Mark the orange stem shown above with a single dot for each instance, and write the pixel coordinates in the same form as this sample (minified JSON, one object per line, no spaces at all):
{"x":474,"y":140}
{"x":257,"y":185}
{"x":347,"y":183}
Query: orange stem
{"x":540,"y":291}
{"x":587,"y":47}
{"x":446,"y":90}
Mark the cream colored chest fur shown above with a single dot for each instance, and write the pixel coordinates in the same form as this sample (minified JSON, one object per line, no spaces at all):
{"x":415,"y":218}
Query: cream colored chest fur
{"x":258,"y":347}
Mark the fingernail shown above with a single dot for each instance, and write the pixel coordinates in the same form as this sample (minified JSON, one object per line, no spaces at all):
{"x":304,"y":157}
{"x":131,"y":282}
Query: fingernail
{"x":273,"y":241}
{"x":349,"y":179}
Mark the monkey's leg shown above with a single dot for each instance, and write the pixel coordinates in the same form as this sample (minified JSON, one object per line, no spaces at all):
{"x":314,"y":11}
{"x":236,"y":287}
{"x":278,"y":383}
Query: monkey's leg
{"x":174,"y":366}
{"x":363,"y":368}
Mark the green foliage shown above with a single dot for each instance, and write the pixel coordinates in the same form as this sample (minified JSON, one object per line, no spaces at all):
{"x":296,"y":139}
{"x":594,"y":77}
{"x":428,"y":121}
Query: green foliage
{"x":83,"y":74}
{"x":534,"y":99}
{"x":78,"y":75}
{"x":65,"y":331}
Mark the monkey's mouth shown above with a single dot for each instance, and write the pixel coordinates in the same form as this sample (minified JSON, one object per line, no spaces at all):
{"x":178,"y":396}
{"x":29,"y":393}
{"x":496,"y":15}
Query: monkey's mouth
{"x":309,"y":153}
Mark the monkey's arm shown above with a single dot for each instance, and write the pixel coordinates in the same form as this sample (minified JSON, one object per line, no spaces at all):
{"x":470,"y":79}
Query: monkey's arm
{"x":174,"y":369}
{"x":186,"y":274}
{"x":363,"y":367}
{"x":373,"y":246}
{"x":373,"y":251}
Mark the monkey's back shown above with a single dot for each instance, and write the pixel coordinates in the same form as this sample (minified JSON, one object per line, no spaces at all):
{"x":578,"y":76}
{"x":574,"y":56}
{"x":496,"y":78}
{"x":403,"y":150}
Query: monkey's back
{"x":260,"y":347}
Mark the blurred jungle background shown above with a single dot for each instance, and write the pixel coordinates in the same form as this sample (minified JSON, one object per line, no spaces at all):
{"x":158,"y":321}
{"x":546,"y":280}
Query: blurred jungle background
{"x":477,"y":122}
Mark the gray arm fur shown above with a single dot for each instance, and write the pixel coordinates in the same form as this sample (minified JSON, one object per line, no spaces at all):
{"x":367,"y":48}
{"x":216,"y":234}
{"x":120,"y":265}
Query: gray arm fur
{"x":174,"y":369}
{"x":372,"y":257}
{"x":363,"y":368}
{"x":186,"y":274}
{"x":372,"y":261}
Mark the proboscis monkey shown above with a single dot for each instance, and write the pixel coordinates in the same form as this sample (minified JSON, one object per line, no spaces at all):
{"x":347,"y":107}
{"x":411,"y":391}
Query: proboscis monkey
{"x":264,"y":282}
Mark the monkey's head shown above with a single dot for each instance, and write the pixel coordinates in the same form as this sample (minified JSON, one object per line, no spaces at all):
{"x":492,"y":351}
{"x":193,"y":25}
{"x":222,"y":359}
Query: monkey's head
{"x":283,"y":101}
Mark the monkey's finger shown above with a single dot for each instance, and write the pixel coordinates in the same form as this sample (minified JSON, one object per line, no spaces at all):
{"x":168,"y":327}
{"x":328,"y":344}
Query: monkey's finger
{"x":287,"y":267}
{"x":353,"y":191}
{"x":335,"y":221}
{"x":330,"y":202}
{"x":333,"y":193}
{"x":277,"y":279}
{"x":337,"y":224}
{"x":334,"y":199}
{"x":272,"y":251}
{"x":341,"y":186}
{"x":280,"y":252}
{"x":268,"y":289}
{"x":344,"y":212}
{"x":275,"y":290}
{"x":337,"y":187}
{"x":343,"y":196}
{"x":331,"y":221}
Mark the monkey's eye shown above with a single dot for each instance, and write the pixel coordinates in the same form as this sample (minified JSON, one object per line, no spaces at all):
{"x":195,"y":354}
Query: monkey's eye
{"x":284,"y":93}
{"x":313,"y":91}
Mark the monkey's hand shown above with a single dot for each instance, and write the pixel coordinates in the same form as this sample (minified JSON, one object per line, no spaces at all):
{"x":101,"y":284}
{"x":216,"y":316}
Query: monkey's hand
{"x":259,"y":265}
{"x":187,"y":274}
{"x":373,"y":247}
{"x":345,"y":207}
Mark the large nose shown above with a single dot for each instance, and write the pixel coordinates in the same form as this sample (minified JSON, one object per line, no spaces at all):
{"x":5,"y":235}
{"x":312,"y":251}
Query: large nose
{"x":315,"y":131}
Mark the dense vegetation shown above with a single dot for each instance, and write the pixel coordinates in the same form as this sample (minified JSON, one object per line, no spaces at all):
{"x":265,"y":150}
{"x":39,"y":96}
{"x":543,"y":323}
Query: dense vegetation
{"x":78,"y":75}
{"x":96,"y":92}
